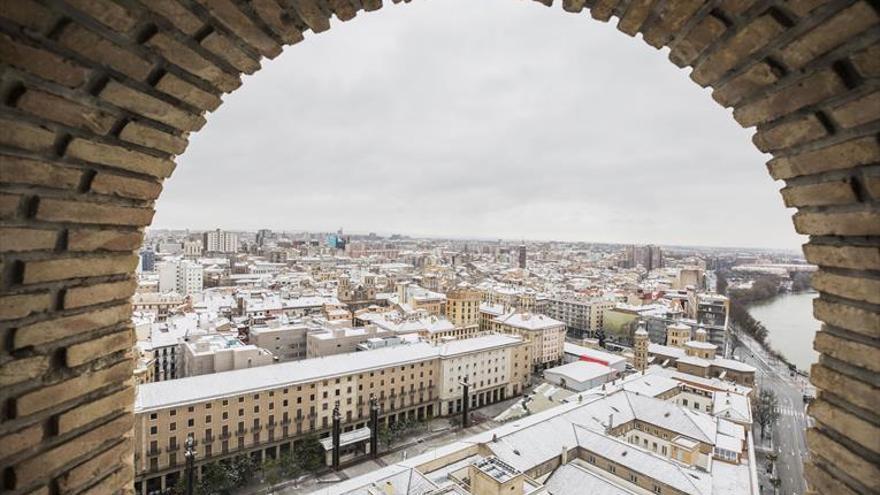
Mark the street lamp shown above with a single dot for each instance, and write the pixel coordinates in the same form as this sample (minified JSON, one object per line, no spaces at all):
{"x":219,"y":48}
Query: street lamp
{"x":190,"y":455}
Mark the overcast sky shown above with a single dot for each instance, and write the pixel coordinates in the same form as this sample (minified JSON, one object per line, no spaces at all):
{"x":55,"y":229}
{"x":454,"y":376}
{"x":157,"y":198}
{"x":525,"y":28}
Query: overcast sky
{"x":489,"y":118}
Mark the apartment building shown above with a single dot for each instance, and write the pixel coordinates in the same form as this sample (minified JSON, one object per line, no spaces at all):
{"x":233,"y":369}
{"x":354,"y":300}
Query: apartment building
{"x":286,"y":341}
{"x":182,"y":277}
{"x":496,"y":367}
{"x":545,"y":336}
{"x":214,"y":353}
{"x":582,"y":317}
{"x":463,"y":307}
{"x":262,"y":411}
{"x":220,"y":241}
{"x":341,"y":340}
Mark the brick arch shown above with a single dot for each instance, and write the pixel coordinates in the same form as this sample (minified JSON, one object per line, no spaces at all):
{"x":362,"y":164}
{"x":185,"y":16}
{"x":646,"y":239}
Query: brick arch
{"x":99,"y":96}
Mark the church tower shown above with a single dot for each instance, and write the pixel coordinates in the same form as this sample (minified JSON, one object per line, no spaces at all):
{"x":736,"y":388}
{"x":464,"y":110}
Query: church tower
{"x":640,"y":349}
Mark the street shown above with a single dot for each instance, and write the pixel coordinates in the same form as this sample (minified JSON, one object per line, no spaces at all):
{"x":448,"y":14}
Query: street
{"x":789,"y":432}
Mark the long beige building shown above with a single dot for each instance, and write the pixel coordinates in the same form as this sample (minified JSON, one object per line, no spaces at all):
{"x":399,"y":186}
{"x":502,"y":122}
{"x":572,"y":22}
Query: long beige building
{"x":262,"y":411}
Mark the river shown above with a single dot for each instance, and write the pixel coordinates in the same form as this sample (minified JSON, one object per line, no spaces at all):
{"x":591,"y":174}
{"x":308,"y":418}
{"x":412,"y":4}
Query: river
{"x":790,"y":326}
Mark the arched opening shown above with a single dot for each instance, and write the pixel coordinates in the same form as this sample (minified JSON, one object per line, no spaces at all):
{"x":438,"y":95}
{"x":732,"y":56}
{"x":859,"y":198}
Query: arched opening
{"x":99,"y":96}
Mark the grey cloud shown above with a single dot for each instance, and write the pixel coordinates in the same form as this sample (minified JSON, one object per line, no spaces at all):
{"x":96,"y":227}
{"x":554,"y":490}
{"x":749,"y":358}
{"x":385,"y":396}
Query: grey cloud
{"x":481,"y":118}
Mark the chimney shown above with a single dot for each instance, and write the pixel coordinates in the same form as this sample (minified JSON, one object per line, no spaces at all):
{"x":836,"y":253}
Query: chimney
{"x":610,"y":423}
{"x":563,"y":458}
{"x":388,"y":488}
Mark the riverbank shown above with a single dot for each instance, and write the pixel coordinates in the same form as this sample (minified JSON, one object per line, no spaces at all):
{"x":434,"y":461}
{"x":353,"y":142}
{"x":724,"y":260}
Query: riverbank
{"x":791,"y":328}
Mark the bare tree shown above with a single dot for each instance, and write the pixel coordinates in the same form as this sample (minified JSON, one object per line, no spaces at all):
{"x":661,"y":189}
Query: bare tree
{"x":766,"y":409}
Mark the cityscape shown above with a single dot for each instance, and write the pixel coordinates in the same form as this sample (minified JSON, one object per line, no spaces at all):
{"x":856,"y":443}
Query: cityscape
{"x":346,"y":363}
{"x":448,"y":247}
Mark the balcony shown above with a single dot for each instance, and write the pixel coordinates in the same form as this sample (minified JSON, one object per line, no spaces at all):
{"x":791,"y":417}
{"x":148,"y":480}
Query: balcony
{"x":172,"y":448}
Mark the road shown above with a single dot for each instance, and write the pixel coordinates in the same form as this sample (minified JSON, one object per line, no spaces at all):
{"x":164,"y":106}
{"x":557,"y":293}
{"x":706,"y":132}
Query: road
{"x":789,"y":433}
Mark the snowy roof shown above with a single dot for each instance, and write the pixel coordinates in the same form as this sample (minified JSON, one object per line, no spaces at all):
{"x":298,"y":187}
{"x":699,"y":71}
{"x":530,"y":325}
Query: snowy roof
{"x":694,"y":361}
{"x":733,"y":364}
{"x":204,"y":387}
{"x":696,"y":344}
{"x":666,"y":350}
{"x":580,"y":371}
{"x":475,"y":344}
{"x":528,"y":321}
{"x":650,"y":385}
{"x":594,"y":354}
{"x":572,"y":479}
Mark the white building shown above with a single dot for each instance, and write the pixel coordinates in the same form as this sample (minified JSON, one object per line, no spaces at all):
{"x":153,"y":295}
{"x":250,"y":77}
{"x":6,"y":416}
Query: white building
{"x":545,"y":335}
{"x":579,"y":375}
{"x":574,"y":352}
{"x":220,"y":241}
{"x":182,"y":277}
{"x":214,"y":353}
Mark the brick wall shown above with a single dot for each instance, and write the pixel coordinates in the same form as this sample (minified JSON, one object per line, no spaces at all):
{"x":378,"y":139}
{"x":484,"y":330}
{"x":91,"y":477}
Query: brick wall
{"x":98,"y":96}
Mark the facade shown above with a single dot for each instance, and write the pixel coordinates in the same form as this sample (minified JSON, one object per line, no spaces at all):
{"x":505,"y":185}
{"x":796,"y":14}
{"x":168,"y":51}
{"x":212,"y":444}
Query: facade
{"x":215,"y":353}
{"x":220,"y":241}
{"x":522,"y":256}
{"x":545,"y":336}
{"x":495,"y":366}
{"x":193,"y":248}
{"x":287,"y":342}
{"x":148,"y":260}
{"x":157,"y":304}
{"x":262,"y":411}
{"x":342,"y":340}
{"x":582,"y":317}
{"x":182,"y":277}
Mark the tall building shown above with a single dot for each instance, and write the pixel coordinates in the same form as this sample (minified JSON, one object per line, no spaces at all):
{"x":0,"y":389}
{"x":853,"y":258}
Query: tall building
{"x":650,"y":257}
{"x":183,"y":277}
{"x":193,"y":248}
{"x":148,"y":260}
{"x":463,"y":307}
{"x":220,"y":241}
{"x":522,"y":256}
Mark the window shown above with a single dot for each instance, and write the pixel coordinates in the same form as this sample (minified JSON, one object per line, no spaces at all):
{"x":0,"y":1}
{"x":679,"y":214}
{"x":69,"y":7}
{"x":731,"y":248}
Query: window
{"x":190,"y":422}
{"x":153,"y":416}
{"x":153,"y":430}
{"x":172,"y":426}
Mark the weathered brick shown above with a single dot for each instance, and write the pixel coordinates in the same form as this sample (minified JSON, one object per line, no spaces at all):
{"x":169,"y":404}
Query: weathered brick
{"x":27,"y":13}
{"x":108,"y":13}
{"x":697,"y":40}
{"x":103,"y":240}
{"x":101,"y":50}
{"x":39,"y":467}
{"x":757,"y":76}
{"x":16,"y":170}
{"x":150,"y":137}
{"x":859,"y":111}
{"x":117,"y":156}
{"x":792,"y":133}
{"x":177,"y":14}
{"x":847,"y":317}
{"x":783,"y":101}
{"x":803,"y":7}
{"x":42,"y":63}
{"x":77,"y":297}
{"x":855,"y":288}
{"x":371,"y":5}
{"x":23,"y":369}
{"x":96,"y":409}
{"x":20,"y":440}
{"x":274,"y":16}
{"x":872,"y":185}
{"x":636,"y":13}
{"x":59,"y":210}
{"x":224,"y":48}
{"x":70,"y":326}
{"x":838,"y":192}
{"x":65,"y":268}
{"x":855,"y":392}
{"x":23,"y":305}
{"x":837,"y":223}
{"x":852,"y":352}
{"x":312,"y":14}
{"x":59,"y":109}
{"x":573,"y":6}
{"x":344,"y":9}
{"x":96,"y":467}
{"x":85,"y":352}
{"x":150,"y":107}
{"x":845,"y":423}
{"x":75,"y":388}
{"x":837,"y":454}
{"x":852,"y":153}
{"x":867,"y":62}
{"x":9,"y":205}
{"x":184,"y":91}
{"x":603,"y":9}
{"x":241,"y":25}
{"x":126,"y":187}
{"x":18,"y":134}
{"x":820,"y":481}
{"x":20,"y":239}
{"x":735,"y":7}
{"x":183,"y":56}
{"x":744,"y":43}
{"x":856,"y":257}
{"x":829,"y":34}
{"x":114,"y":482}
{"x":670,"y":20}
